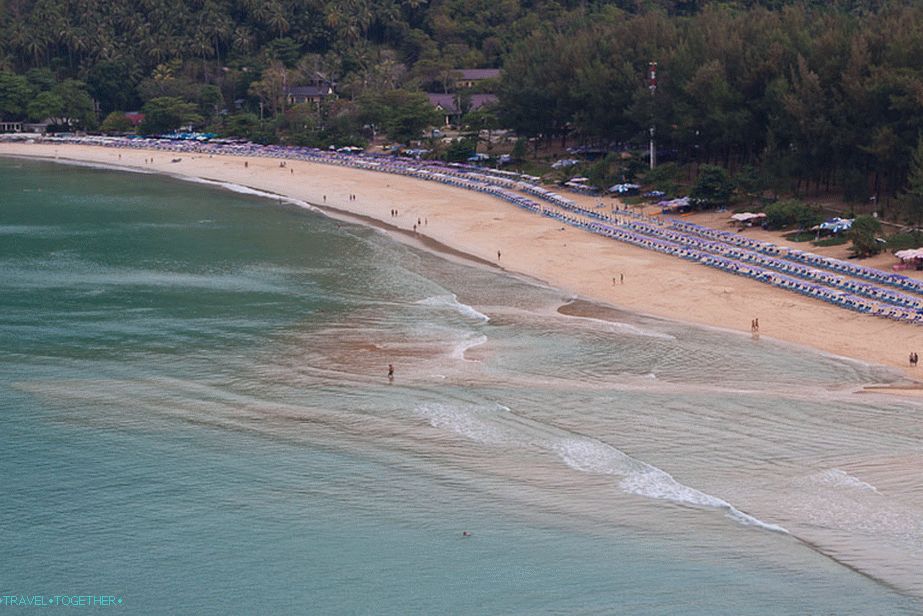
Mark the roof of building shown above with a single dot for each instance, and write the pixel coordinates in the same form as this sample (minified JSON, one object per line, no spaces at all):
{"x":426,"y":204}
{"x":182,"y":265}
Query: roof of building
{"x":447,"y":101}
{"x":477,"y":74}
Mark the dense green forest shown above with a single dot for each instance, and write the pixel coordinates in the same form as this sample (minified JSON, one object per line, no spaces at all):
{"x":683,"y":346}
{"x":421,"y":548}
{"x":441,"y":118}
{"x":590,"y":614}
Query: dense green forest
{"x":814,"y":97}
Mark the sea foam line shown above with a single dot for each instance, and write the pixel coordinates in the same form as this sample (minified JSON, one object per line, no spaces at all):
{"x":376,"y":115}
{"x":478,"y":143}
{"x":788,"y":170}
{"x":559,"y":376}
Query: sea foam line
{"x":836,"y":478}
{"x":246,"y":190}
{"x":620,"y":327}
{"x":93,"y":165}
{"x":643,"y":479}
{"x":468,"y":343}
{"x":497,"y":426}
{"x":451,"y":301}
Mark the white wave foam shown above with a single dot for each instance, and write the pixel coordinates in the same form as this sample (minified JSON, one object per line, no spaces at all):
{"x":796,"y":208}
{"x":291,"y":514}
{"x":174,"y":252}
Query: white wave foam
{"x":469,"y":422}
{"x":246,"y":190}
{"x":33,"y":230}
{"x":836,"y":478}
{"x":451,"y":301}
{"x":494,"y":426}
{"x":642,"y":479}
{"x":468,"y":343}
{"x":105,"y":166}
{"x":620,"y":327}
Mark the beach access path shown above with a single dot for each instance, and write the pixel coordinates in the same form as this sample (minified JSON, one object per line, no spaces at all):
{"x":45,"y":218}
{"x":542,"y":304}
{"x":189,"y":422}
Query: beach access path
{"x":577,"y":262}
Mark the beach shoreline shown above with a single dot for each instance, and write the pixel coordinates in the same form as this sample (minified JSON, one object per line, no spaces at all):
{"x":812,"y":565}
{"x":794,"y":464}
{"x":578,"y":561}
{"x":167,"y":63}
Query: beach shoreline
{"x":490,"y":232}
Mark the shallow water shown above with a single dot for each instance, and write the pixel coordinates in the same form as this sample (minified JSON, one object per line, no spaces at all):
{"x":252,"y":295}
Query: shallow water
{"x":197,"y":419}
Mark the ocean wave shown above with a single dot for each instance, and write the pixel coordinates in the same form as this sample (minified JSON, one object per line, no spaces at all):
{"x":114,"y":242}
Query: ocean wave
{"x":36,"y":230}
{"x":468,"y":343}
{"x":643,"y":479}
{"x":497,"y":426}
{"x":469,"y":422}
{"x":621,"y":327}
{"x":246,"y":190}
{"x":451,"y":302}
{"x":104,"y":166}
{"x":97,"y":277}
{"x":836,"y":478}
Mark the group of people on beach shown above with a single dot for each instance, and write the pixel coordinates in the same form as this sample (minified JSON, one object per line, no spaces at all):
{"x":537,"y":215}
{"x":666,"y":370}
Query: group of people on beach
{"x":755,"y":326}
{"x":914,"y":358}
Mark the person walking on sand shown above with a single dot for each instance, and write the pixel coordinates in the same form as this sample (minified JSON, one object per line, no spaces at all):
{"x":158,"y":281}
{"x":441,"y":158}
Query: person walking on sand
{"x":621,"y":278}
{"x":390,"y":372}
{"x":498,"y":255}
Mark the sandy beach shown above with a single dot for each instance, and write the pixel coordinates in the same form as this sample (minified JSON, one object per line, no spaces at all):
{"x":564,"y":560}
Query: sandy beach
{"x":578,"y":262}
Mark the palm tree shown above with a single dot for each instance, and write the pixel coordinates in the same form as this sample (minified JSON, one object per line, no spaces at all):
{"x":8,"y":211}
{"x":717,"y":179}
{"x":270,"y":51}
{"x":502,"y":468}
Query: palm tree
{"x":242,"y":39}
{"x":277,"y":20}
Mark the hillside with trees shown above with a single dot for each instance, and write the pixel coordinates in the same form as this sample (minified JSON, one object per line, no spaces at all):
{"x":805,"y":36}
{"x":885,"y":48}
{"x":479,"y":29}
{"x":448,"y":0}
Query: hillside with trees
{"x":804,"y":97}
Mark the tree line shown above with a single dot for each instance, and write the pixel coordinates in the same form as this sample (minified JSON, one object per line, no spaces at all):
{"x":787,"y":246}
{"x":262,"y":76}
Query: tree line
{"x":817,"y":98}
{"x":810,"y":97}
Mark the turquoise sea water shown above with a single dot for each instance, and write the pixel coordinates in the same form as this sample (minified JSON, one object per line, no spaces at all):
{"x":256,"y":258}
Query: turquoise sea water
{"x":196,"y":418}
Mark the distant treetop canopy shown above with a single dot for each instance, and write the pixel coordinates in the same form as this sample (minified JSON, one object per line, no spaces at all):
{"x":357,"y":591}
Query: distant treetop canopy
{"x":810,"y":94}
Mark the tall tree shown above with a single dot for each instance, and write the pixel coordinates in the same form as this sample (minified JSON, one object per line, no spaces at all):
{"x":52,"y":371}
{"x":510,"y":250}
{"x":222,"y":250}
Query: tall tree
{"x":162,"y":115}
{"x":912,"y":198}
{"x":15,"y":94}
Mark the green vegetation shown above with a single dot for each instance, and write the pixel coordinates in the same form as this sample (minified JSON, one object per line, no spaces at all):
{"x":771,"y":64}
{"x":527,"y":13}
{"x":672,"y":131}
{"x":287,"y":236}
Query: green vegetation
{"x":789,"y":213}
{"x":167,"y":113}
{"x":900,"y":241}
{"x":663,"y":177}
{"x":797,"y":97}
{"x":864,"y":234}
{"x":833,"y":240}
{"x":400,"y":114}
{"x":116,"y":122}
{"x":800,"y":236}
{"x":713,"y":188}
{"x":912,"y":198}
{"x":459,"y":150}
